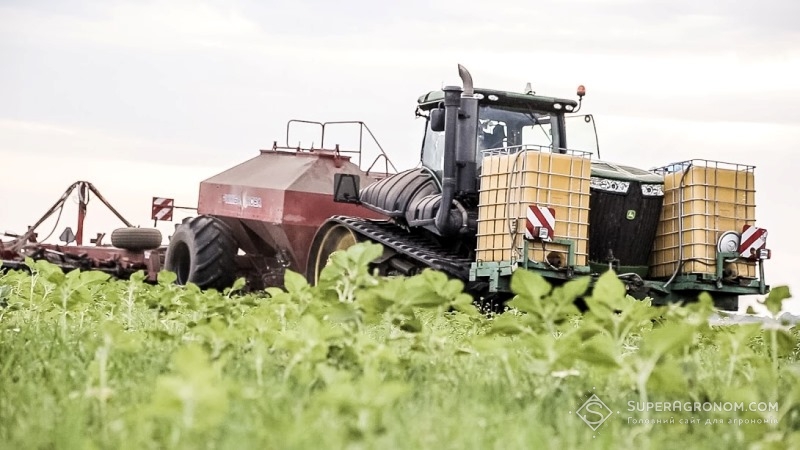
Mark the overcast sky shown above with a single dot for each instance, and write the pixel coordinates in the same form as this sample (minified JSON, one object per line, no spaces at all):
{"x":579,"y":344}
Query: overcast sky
{"x":170,"y":93}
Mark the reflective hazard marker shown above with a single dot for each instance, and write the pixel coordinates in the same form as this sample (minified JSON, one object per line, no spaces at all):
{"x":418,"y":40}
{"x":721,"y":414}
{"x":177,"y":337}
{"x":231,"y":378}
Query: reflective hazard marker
{"x":540,"y":223}
{"x":162,"y":208}
{"x":753,"y":240}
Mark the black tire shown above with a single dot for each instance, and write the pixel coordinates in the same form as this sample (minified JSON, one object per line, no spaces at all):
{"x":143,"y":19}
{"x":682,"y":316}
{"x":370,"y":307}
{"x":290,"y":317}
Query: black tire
{"x":136,"y":239}
{"x":203,"y":251}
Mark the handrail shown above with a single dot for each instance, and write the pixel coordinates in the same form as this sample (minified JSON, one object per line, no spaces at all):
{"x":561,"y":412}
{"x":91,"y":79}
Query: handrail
{"x":289,"y":124}
{"x":362,"y":126}
{"x":386,"y":162}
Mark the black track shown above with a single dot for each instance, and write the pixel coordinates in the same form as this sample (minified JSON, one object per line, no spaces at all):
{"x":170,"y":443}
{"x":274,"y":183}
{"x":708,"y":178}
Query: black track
{"x":422,"y":249}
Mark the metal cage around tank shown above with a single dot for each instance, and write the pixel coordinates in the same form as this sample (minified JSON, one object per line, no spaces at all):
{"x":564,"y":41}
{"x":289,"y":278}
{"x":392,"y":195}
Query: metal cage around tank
{"x":703,"y":199}
{"x":516,"y":178}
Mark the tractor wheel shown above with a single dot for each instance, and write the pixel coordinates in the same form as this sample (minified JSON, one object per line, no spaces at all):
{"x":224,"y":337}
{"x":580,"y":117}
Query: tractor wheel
{"x":337,"y":237}
{"x":136,"y":239}
{"x":203,"y":251}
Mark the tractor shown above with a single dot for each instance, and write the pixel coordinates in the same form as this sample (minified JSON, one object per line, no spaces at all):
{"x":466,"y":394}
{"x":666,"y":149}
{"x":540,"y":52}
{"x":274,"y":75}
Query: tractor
{"x":499,"y":187}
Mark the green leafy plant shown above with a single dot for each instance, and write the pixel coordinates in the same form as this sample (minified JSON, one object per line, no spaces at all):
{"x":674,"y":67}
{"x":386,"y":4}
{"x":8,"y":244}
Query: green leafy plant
{"x":364,"y":361}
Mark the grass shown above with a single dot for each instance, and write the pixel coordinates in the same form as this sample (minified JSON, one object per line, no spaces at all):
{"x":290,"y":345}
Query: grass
{"x":362,"y":362}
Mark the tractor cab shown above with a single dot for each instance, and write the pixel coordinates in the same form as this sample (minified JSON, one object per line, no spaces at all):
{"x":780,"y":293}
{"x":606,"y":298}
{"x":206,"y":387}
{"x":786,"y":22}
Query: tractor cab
{"x":463,"y":126}
{"x":507,"y":122}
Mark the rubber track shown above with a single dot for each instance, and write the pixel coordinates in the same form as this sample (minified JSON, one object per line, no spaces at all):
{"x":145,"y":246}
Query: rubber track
{"x":419,"y":248}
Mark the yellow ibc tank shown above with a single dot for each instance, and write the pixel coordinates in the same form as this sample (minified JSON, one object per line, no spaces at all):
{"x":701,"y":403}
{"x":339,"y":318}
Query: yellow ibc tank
{"x":511,"y":182}
{"x":702,"y":200}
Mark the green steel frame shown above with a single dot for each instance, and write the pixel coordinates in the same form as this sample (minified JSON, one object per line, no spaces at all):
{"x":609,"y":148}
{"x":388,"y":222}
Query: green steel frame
{"x":681,"y":287}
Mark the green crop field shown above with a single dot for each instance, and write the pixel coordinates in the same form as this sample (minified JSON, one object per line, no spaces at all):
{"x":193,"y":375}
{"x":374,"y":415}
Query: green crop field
{"x":88,"y":362}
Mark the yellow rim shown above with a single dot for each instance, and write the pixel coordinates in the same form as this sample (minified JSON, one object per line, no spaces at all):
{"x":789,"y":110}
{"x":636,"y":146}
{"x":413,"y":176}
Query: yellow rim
{"x":335,"y":239}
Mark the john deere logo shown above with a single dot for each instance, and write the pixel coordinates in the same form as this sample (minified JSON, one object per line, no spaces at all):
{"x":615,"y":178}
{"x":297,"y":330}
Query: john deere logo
{"x":631,"y":214}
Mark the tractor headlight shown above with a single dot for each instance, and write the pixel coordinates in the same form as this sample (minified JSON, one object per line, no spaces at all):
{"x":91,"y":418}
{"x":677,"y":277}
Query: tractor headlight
{"x":604,"y":184}
{"x":653,"y":190}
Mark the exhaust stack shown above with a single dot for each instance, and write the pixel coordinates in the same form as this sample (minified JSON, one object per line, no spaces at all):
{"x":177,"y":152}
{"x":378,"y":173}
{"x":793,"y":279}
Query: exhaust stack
{"x":459,"y":174}
{"x":467,"y":140}
{"x":445,"y":222}
{"x":466,"y":80}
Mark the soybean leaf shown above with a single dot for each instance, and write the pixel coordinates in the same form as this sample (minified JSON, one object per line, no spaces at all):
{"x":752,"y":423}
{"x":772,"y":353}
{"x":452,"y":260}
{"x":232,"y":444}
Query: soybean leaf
{"x":364,"y":253}
{"x":575,"y":288}
{"x":507,"y":325}
{"x":294,"y":282}
{"x":600,"y":350}
{"x":785,"y":342}
{"x":774,"y":301}
{"x":670,"y":338}
{"x":166,"y":277}
{"x":530,"y":288}
{"x":609,"y":287}
{"x":668,"y":378}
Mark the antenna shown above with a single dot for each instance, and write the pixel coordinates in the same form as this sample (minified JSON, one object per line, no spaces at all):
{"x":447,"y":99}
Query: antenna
{"x":529,"y":89}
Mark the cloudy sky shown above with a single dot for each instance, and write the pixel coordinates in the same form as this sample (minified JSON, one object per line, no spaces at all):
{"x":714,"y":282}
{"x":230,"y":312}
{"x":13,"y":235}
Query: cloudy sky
{"x":148,"y":98}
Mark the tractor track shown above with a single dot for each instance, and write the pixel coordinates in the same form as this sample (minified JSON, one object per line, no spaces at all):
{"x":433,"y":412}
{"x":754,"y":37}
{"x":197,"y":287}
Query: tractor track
{"x":419,"y":248}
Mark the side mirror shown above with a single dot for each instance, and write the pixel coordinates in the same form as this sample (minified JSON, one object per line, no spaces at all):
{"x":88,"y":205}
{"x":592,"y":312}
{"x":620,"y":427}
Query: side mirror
{"x":437,"y":119}
{"x":346,"y":188}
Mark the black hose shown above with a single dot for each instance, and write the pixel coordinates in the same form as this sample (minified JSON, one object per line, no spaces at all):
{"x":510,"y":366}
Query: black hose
{"x":58,"y":219}
{"x":680,"y":227}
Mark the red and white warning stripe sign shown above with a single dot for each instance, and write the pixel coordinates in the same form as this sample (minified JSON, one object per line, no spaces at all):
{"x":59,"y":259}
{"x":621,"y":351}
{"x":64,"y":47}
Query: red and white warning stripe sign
{"x":540,"y":223}
{"x":753,"y":240}
{"x":162,"y":208}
